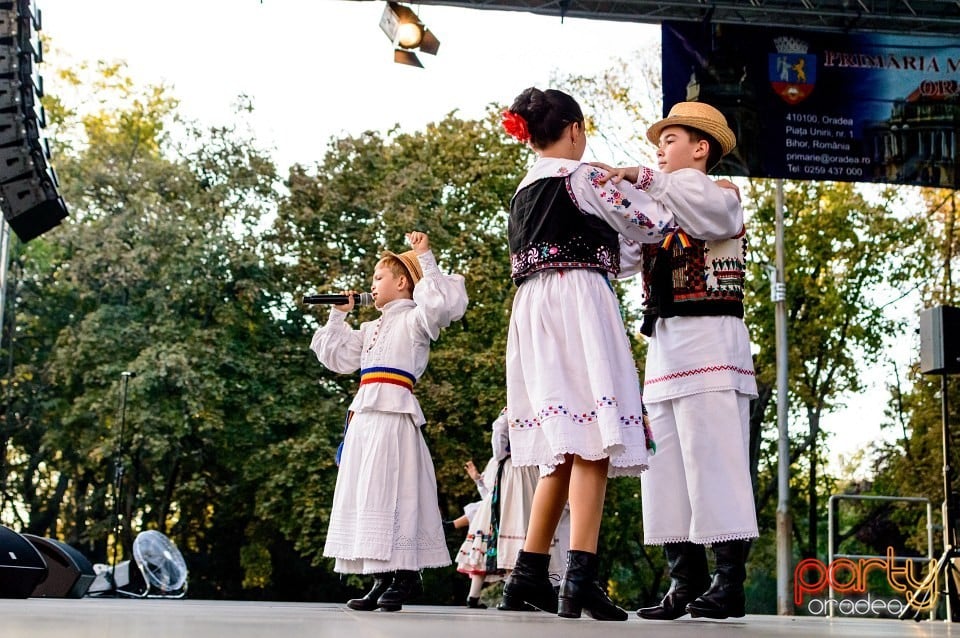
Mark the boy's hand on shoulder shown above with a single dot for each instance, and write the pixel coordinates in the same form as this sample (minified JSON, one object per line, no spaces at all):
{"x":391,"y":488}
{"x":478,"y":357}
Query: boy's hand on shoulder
{"x":347,"y":307}
{"x":616,"y":175}
{"x":418,"y":241}
{"x":726,"y":183}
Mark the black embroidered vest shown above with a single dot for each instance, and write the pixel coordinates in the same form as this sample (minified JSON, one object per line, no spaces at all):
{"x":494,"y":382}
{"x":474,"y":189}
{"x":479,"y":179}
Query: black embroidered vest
{"x":547,"y":230}
{"x":684,"y":276}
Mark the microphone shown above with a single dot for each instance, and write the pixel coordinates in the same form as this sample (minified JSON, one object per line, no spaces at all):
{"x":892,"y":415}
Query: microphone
{"x":360,"y":299}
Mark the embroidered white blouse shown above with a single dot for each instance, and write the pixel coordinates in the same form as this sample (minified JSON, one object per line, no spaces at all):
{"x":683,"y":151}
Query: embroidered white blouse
{"x":647,"y":211}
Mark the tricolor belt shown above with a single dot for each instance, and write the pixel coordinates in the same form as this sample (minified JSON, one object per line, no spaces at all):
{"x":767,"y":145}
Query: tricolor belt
{"x":677,"y":235}
{"x":387,"y":375}
{"x":661,"y":278}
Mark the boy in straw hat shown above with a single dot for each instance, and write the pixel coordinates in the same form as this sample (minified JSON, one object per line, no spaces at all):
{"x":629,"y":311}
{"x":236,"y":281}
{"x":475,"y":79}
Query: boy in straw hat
{"x":699,"y":379}
{"x":385,"y":519}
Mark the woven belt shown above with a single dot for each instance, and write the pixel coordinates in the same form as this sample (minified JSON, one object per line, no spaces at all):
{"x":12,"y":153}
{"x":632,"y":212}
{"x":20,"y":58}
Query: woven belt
{"x":387,"y":375}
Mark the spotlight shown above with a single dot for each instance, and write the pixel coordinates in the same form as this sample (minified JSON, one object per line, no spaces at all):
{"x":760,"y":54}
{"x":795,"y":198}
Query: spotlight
{"x":407,"y":33}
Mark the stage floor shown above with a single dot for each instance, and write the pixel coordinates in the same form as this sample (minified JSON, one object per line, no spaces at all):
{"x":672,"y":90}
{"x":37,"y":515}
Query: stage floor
{"x":138,"y":618}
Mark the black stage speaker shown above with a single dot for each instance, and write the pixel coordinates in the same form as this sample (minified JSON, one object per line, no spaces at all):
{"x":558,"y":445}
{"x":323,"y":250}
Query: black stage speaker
{"x":69,"y":572}
{"x":29,"y":199}
{"x":21,"y":565}
{"x":940,"y":340}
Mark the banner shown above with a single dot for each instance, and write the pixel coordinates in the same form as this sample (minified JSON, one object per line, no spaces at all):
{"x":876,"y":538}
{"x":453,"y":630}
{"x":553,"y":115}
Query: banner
{"x":860,"y":107}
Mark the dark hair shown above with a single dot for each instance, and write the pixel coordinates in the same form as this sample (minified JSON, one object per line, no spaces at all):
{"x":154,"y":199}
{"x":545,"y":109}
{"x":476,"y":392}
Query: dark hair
{"x":547,"y":114}
{"x":715,"y":154}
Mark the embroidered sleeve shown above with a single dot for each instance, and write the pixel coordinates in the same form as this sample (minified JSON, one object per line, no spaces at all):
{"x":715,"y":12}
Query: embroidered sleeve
{"x":441,"y":299}
{"x":703,"y":209}
{"x":337,"y":345}
{"x":628,"y":210}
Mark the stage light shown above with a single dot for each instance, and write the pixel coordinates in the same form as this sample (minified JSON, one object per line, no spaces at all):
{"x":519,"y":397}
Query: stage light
{"x":407,"y":33}
{"x":402,"y":56}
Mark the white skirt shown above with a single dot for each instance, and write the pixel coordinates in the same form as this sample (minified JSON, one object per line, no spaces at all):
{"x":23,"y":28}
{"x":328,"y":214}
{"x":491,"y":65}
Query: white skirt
{"x":516,"y":489}
{"x":385,"y":514}
{"x":572,"y":382}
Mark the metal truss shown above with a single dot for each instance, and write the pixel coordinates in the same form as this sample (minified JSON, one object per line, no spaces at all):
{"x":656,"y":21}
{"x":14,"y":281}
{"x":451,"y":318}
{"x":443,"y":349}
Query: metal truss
{"x":929,"y":17}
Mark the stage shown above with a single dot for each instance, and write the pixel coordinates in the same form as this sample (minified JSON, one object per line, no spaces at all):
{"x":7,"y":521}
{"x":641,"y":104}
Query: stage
{"x":139,"y":618}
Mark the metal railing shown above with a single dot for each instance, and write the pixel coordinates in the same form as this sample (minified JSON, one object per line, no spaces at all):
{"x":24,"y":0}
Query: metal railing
{"x":831,"y":533}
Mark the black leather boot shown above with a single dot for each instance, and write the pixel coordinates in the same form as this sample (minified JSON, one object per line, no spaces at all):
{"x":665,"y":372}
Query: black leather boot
{"x":473,"y":602}
{"x":580,"y":591}
{"x":689,"y":577}
{"x":529,"y":582}
{"x":369,"y":602}
{"x":725,"y":598}
{"x":405,"y":585}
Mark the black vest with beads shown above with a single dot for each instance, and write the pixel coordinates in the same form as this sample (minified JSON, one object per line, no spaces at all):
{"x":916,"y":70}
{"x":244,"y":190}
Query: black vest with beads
{"x":547,"y":230}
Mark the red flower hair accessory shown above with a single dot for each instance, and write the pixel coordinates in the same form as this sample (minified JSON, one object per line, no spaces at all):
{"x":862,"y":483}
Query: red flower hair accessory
{"x":515,"y":126}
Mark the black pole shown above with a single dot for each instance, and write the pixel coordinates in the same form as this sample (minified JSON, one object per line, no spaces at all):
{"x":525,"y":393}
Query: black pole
{"x":945,"y":568}
{"x":949,"y":532}
{"x":118,"y":479}
{"x":949,"y":539}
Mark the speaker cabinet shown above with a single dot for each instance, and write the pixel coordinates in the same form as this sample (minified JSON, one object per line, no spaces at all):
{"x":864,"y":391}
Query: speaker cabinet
{"x":22,"y":567}
{"x":29,"y":199}
{"x":69,"y":572}
{"x":940,"y":340}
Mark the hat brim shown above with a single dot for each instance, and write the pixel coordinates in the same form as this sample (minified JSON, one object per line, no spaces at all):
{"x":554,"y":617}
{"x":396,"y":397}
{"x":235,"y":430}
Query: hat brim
{"x":721,"y":133}
{"x":410,"y":262}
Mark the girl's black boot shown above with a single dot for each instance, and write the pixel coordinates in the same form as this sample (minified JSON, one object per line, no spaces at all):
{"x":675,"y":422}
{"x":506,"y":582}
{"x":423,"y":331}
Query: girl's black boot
{"x":580,"y":590}
{"x":369,"y":602}
{"x":529,"y":583}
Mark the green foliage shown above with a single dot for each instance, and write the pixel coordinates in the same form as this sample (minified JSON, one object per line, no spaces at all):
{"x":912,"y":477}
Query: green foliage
{"x":846,"y":256}
{"x":183,"y":260}
{"x":913,"y":464}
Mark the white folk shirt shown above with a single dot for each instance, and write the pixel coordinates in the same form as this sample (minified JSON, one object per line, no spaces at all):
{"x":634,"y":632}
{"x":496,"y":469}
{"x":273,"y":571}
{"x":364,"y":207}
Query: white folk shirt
{"x":399,"y":339}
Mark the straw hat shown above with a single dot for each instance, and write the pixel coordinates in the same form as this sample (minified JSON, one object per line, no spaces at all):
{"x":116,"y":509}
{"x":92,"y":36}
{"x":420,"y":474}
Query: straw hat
{"x":700,"y":116}
{"x":408,"y":259}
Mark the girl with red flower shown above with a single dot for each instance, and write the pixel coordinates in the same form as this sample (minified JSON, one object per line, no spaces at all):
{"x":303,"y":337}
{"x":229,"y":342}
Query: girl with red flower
{"x":573,"y":393}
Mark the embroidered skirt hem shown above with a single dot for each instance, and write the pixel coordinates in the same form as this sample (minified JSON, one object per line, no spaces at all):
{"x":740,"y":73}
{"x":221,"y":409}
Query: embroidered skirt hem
{"x":703,"y":540}
{"x":572,"y":382}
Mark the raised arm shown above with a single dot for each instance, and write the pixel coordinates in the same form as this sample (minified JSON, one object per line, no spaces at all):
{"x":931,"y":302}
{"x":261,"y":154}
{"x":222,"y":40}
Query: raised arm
{"x":441,"y":298}
{"x":705,"y":208}
{"x":701,"y":206}
{"x":625,"y":207}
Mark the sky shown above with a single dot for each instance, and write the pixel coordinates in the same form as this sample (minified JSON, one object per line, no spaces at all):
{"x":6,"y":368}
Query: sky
{"x":320,"y":69}
{"x":323,"y":68}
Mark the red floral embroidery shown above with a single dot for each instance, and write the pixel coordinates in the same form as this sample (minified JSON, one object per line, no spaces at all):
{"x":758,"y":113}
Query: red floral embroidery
{"x":515,"y":126}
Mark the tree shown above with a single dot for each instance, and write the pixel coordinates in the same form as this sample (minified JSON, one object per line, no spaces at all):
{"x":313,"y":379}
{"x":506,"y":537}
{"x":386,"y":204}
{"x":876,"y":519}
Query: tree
{"x":846,"y":255}
{"x":914,"y":463}
{"x":157,"y":271}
